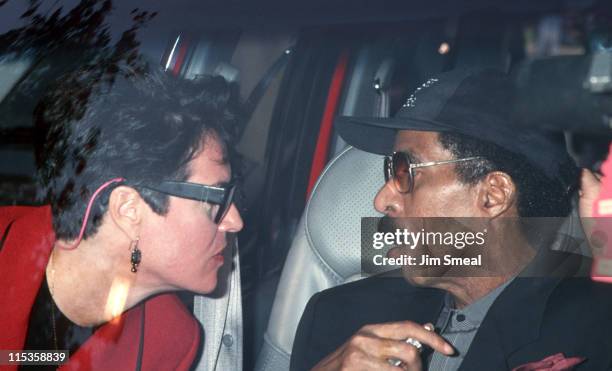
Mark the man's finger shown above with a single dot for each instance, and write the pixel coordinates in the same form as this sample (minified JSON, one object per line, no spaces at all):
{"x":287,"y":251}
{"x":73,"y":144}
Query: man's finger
{"x":408,"y":329}
{"x":389,"y":348}
{"x":408,"y":354}
{"x":371,"y":353}
{"x":373,"y":347}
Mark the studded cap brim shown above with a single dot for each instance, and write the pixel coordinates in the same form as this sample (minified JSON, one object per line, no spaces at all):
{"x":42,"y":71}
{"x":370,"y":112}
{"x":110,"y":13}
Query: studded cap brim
{"x":474,"y":102}
{"x":377,"y":134}
{"x":419,"y":112}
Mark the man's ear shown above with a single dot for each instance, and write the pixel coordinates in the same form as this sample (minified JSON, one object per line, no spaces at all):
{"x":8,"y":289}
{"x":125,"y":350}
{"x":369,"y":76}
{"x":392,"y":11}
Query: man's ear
{"x":497,"y":194}
{"x":125,"y":207}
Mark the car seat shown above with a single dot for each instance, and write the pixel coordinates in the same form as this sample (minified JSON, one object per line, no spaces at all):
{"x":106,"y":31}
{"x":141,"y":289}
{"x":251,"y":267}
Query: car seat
{"x":326,"y":249}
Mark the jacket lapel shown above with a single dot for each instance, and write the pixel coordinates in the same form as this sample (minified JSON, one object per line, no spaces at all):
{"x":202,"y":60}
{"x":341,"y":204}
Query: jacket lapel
{"x":512,"y":323}
{"x":514,"y":320}
{"x":407,"y":302}
{"x":416,"y":304}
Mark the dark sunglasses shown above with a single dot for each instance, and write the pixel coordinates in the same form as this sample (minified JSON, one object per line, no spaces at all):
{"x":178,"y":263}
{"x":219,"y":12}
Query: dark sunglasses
{"x":399,"y":167}
{"x":221,"y":196}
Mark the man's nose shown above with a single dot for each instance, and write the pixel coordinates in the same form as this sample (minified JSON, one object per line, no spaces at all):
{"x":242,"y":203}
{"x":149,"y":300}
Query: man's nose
{"x":387,"y":201}
{"x":232,"y":222}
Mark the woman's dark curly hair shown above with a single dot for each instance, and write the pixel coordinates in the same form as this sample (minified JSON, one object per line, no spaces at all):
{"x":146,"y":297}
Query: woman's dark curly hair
{"x":144,"y":127}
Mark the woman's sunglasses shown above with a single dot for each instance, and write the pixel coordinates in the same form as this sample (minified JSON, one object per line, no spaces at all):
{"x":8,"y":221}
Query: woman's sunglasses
{"x":399,"y":167}
{"x":221,"y":196}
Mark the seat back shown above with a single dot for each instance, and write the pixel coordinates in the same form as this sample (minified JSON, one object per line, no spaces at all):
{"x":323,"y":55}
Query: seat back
{"x":326,"y":250}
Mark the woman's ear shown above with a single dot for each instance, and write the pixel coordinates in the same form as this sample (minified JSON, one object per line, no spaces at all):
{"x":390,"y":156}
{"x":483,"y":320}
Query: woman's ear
{"x":125,"y":207}
{"x":497,"y":195}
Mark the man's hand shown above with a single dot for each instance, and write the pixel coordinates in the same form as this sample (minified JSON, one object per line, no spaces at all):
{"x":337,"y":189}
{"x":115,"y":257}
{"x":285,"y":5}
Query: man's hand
{"x":373,"y":345}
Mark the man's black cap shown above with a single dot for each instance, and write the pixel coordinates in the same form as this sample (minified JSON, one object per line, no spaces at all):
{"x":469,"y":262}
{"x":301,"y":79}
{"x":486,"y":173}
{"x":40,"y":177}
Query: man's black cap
{"x":475,"y":102}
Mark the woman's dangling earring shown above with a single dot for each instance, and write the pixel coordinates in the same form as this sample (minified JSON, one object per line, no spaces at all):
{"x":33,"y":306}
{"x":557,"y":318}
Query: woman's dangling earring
{"x":136,"y":255}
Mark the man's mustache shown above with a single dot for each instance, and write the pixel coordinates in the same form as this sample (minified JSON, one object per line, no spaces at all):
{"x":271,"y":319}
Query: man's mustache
{"x":387,"y":224}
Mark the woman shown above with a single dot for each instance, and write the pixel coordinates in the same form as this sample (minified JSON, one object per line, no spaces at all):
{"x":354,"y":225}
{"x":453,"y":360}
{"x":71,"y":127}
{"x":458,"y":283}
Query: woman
{"x":138,"y":182}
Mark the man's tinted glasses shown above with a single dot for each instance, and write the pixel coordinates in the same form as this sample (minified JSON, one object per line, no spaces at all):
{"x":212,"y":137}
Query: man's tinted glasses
{"x":400,"y":168}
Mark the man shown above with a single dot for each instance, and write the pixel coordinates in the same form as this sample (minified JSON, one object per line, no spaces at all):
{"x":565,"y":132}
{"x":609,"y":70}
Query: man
{"x":457,"y":154}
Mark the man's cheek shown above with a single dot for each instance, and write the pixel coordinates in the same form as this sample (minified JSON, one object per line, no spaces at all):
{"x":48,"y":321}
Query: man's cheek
{"x":415,"y":210}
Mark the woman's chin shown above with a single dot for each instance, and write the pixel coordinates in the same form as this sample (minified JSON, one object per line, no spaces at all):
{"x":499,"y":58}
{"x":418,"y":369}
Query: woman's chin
{"x":206,"y":287}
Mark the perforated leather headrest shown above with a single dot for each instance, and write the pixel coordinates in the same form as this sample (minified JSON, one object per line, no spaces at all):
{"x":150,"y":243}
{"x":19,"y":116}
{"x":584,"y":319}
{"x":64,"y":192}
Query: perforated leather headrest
{"x":342,"y":196}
